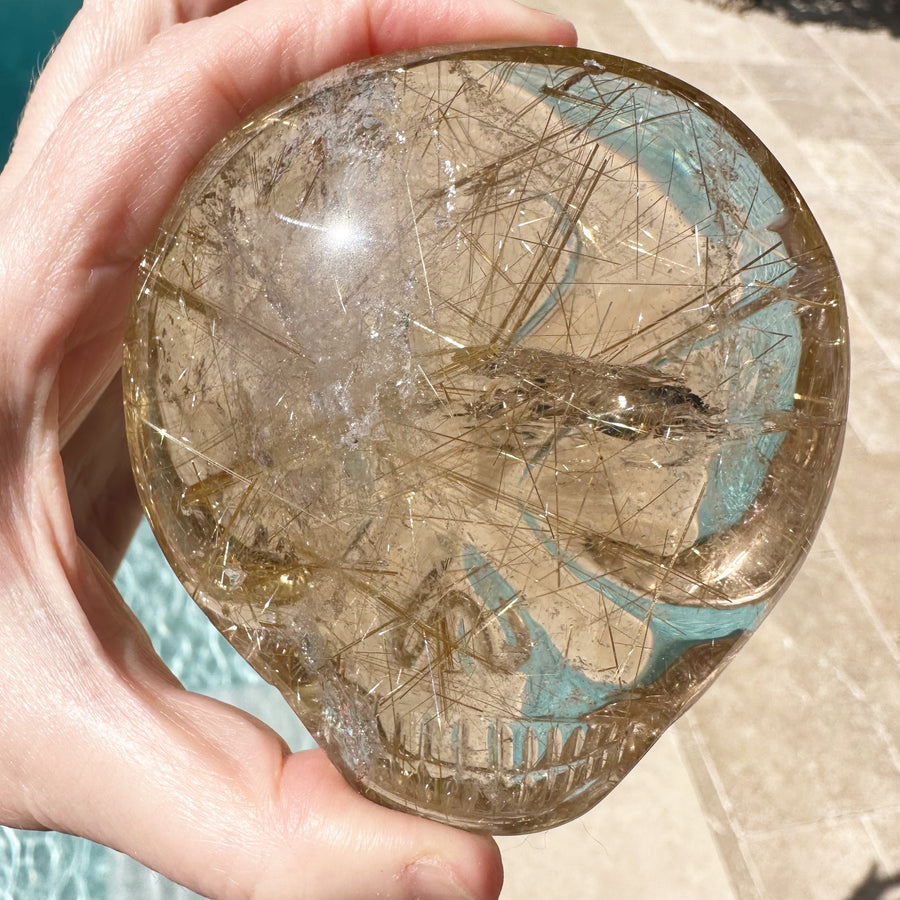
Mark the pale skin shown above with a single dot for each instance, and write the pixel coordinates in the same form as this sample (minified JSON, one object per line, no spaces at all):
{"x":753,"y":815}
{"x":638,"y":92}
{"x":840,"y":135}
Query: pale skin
{"x":97,"y":738}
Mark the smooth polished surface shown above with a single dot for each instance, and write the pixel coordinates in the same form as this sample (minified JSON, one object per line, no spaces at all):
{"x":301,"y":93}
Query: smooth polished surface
{"x":486,"y":403}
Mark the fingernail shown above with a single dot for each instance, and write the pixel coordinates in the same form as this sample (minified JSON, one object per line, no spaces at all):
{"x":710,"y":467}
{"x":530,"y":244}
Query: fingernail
{"x":566,"y":32}
{"x":429,"y":880}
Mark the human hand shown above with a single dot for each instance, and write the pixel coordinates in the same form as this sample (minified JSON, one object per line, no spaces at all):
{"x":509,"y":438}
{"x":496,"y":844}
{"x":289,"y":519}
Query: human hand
{"x":97,"y":737}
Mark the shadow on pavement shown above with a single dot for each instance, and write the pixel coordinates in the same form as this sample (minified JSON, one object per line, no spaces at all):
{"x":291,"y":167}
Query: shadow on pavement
{"x":875,"y":887}
{"x":865,"y":14}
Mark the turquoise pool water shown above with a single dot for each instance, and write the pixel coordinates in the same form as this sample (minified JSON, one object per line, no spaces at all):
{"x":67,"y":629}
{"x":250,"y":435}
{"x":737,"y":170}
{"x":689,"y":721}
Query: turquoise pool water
{"x":27,"y":33}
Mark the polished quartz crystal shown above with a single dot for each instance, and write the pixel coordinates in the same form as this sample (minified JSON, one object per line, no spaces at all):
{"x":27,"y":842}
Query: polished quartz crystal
{"x":486,"y":401}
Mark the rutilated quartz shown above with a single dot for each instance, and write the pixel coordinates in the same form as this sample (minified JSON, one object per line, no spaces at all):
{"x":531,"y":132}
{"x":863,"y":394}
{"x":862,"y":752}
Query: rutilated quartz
{"x":486,"y":401}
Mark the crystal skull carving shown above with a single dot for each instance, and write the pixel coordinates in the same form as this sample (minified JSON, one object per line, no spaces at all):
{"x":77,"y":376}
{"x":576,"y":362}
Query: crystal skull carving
{"x":486,"y":401}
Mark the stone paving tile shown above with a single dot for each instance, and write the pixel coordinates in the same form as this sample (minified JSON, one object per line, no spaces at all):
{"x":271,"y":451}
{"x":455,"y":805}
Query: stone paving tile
{"x":869,"y":57}
{"x":820,"y":101}
{"x":863,"y":521}
{"x":874,"y":391}
{"x":613,"y":27}
{"x":800,"y":727}
{"x":828,"y":861}
{"x":649,"y":839}
{"x":717,"y":806}
{"x":690,"y":30}
{"x":849,"y":166}
{"x":863,"y":232}
{"x":883,"y":828}
{"x":795,"y":42}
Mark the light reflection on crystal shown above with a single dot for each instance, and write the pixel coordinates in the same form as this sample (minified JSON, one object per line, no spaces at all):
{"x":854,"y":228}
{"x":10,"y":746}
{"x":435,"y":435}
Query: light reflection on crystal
{"x":486,"y":404}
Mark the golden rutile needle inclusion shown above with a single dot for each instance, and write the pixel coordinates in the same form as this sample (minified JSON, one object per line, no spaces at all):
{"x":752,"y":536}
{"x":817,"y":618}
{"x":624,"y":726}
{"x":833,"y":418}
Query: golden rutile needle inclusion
{"x":486,"y":402}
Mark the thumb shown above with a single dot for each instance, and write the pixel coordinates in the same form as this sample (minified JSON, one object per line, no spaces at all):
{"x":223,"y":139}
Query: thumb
{"x":200,"y":791}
